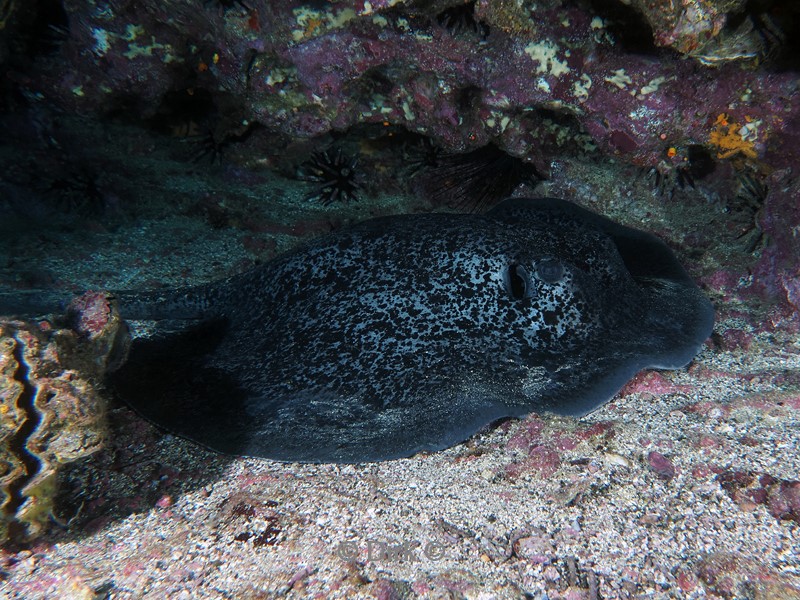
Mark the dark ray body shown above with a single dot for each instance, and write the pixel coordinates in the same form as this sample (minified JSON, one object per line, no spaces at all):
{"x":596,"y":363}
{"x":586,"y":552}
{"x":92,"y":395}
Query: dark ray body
{"x":410,"y":333}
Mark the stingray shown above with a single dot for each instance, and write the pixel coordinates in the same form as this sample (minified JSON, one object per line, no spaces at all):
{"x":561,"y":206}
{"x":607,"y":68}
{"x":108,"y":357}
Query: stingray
{"x":410,"y":333}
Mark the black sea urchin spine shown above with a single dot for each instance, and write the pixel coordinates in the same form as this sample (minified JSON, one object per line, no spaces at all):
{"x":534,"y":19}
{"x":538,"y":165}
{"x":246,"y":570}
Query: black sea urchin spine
{"x":337,"y":174}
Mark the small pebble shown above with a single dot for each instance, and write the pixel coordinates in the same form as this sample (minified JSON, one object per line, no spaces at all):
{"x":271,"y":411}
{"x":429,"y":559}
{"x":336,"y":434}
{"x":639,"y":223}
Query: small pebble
{"x":662,"y":466}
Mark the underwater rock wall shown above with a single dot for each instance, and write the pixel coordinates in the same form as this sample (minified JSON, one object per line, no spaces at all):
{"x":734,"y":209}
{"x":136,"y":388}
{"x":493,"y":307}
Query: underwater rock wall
{"x":51,"y":409}
{"x":648,"y":82}
{"x":461,"y":73}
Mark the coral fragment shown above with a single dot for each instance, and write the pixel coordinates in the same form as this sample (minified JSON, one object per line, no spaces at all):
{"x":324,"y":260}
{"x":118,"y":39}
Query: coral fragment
{"x":51,"y":412}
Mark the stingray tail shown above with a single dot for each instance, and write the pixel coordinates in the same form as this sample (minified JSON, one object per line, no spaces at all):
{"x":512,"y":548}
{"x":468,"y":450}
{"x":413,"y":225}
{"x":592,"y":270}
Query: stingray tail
{"x":188,"y":303}
{"x":30,"y":304}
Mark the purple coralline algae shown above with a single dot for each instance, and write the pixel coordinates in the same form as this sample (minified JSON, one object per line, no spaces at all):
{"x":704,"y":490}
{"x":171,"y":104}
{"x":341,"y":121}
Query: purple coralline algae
{"x":305,"y":71}
{"x":747,"y":489}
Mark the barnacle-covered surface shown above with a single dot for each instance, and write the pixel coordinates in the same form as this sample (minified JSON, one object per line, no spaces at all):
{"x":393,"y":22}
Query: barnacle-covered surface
{"x":716,"y":32}
{"x":688,"y":27}
{"x":51,"y":410}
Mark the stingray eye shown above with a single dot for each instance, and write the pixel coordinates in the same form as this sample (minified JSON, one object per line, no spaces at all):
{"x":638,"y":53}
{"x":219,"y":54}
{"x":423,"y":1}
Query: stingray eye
{"x":518,"y":283}
{"x":550,"y":270}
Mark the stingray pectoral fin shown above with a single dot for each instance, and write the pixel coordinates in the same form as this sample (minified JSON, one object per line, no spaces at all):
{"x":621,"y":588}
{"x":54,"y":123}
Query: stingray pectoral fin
{"x":679,"y":326}
{"x":678,"y":320}
{"x":322,"y":427}
{"x":215,"y":408}
{"x":577,"y":388}
{"x":167,"y":380}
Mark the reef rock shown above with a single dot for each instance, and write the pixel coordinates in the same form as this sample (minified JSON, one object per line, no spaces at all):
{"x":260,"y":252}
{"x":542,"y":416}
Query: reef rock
{"x":51,"y":409}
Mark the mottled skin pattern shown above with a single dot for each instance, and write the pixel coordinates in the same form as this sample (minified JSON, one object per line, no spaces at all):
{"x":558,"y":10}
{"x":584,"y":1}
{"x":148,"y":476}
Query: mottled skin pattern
{"x":410,"y":333}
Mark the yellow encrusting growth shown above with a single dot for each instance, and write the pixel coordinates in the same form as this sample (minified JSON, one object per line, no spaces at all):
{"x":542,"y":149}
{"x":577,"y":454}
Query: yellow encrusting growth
{"x":580,"y":88}
{"x":545,"y":53}
{"x":620,"y":79}
{"x":732,"y":139}
{"x":313,"y":22}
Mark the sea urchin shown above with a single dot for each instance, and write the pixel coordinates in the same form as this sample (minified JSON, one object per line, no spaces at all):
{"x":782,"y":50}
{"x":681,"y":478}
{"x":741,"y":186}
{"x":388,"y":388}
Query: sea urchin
{"x":336,"y":173}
